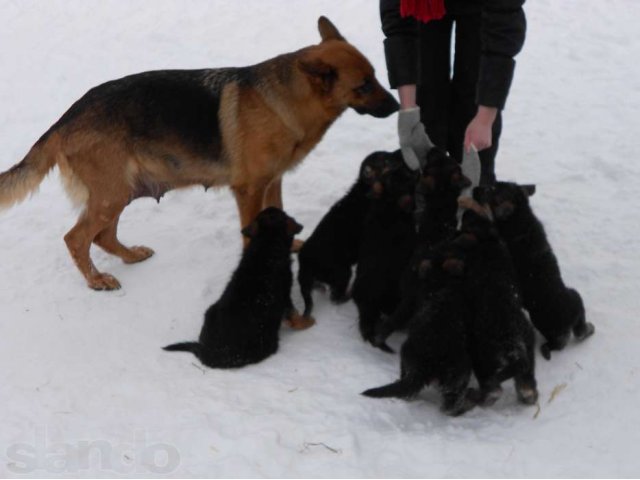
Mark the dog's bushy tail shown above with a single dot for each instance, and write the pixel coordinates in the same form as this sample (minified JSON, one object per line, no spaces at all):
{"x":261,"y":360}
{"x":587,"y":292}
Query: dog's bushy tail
{"x":23,"y":178}
{"x":193,"y":347}
{"x":404,"y":388}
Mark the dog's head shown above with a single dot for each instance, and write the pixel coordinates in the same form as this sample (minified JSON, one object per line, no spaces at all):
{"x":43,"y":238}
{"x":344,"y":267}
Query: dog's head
{"x":442,"y":173}
{"x":504,"y":198}
{"x":343,"y":76}
{"x":272,"y":222}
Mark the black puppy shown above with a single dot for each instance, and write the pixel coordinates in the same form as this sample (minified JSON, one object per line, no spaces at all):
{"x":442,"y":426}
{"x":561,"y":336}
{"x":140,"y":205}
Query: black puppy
{"x":242,"y":326}
{"x":439,"y":188}
{"x":438,"y":191}
{"x":436,"y":348}
{"x":332,"y":249}
{"x":501,"y":339}
{"x":555,"y":310}
{"x":388,"y":240}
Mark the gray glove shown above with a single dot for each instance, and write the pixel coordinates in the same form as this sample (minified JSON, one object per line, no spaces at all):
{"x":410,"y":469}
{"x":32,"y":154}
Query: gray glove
{"x":414,"y":141}
{"x":471,"y":169}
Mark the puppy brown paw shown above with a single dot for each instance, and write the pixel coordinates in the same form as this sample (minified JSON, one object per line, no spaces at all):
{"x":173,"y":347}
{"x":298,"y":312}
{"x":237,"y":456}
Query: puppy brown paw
{"x":103,"y":281}
{"x":138,"y":254}
{"x":298,"y":322}
{"x":297,"y":245}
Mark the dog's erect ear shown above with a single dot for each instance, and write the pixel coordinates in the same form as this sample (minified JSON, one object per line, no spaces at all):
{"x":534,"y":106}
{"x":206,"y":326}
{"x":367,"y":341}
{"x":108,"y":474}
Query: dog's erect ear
{"x":504,"y":210}
{"x":293,"y":227}
{"x":528,"y":190}
{"x":328,"y":30}
{"x":322,"y":75}
{"x":453,"y":266}
{"x":250,"y":230}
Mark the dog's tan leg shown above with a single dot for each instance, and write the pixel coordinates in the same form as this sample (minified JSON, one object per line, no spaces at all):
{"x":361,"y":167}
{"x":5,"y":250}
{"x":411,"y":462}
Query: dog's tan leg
{"x":78,"y":241}
{"x":107,"y":239}
{"x":273,"y":198}
{"x":273,"y":194}
{"x":250,"y":199}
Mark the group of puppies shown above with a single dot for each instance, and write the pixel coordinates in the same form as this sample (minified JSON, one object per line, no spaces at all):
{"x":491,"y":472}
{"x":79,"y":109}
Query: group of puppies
{"x":460,"y":289}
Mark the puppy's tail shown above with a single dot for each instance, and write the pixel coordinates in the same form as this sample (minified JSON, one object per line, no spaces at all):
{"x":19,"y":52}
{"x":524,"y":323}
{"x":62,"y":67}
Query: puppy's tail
{"x":404,"y":388}
{"x":23,"y":178}
{"x":193,"y":347}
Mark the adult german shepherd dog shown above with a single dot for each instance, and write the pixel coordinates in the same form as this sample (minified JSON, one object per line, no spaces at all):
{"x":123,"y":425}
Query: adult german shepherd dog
{"x":145,"y":134}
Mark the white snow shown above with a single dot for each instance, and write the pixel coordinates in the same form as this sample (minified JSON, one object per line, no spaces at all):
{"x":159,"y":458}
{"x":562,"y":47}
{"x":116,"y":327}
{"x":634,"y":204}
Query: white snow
{"x":82,"y":368}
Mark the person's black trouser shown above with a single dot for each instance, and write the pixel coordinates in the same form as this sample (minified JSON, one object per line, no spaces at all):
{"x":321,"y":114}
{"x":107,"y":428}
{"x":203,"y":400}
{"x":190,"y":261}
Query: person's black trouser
{"x":448,"y":102}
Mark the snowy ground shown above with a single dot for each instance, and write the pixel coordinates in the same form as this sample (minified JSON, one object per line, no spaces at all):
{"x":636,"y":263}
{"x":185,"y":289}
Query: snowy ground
{"x":84,"y":369}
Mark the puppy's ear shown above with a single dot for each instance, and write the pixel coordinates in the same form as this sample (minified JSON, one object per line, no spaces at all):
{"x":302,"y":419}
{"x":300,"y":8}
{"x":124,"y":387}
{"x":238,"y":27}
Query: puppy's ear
{"x":328,"y":30}
{"x":528,"y":190}
{"x":453,"y":266}
{"x":504,"y":210}
{"x":293,"y":227}
{"x":424,"y":268}
{"x":321,"y":75}
{"x":429,"y":182}
{"x":459,"y":181}
{"x":250,"y":230}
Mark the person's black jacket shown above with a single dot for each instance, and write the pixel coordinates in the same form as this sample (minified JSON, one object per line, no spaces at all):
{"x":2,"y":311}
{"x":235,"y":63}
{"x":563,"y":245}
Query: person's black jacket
{"x":503,"y":33}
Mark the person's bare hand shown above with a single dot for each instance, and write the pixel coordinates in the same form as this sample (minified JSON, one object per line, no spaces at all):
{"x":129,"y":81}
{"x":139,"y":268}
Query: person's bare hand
{"x":479,"y":131}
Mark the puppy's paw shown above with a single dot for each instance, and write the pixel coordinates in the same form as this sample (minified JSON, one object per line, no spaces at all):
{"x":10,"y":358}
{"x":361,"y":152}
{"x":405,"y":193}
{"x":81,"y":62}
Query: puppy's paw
{"x":586,"y":331}
{"x":380,"y":341}
{"x":490,"y":397}
{"x":297,"y":245}
{"x":298,"y":322}
{"x":138,"y":254}
{"x":103,"y":281}
{"x":528,"y":395}
{"x":545,"y":350}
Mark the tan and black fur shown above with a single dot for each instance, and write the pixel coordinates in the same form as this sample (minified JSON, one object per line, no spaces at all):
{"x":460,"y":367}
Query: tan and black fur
{"x":145,"y":134}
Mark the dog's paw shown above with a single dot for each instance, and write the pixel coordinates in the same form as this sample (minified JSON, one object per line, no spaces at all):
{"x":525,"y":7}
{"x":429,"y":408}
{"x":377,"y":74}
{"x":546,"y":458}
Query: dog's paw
{"x":298,"y":322}
{"x":138,"y":254}
{"x":103,"y":281}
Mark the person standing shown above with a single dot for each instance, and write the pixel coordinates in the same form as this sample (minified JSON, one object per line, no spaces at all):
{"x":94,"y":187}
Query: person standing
{"x":459,"y":105}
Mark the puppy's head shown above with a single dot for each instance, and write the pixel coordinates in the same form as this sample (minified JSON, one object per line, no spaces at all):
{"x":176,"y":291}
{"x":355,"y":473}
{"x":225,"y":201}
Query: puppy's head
{"x":476,"y":225}
{"x":272,"y":222}
{"x":371,"y":172}
{"x":343,"y":76}
{"x":504,"y":198}
{"x":442,"y":173}
{"x":397,"y":183}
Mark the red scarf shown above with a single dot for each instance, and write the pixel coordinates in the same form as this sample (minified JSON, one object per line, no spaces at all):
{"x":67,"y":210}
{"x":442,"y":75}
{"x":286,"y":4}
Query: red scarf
{"x":423,"y":10}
